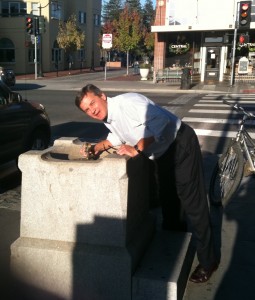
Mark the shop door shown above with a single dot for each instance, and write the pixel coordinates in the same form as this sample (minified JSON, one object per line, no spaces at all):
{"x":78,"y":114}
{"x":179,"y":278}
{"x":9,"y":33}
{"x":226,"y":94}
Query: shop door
{"x":212,"y":64}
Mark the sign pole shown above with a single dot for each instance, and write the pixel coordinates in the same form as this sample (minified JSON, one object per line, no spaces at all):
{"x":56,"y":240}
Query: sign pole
{"x":234,"y":49}
{"x":105,"y":67}
{"x":233,"y":59}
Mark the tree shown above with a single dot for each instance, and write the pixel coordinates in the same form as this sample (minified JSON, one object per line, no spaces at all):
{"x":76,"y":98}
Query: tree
{"x":148,"y":14}
{"x":149,"y":41}
{"x":128,"y":32}
{"x":70,"y":37}
{"x":112,"y":10}
{"x":134,"y":5}
{"x":131,"y":30}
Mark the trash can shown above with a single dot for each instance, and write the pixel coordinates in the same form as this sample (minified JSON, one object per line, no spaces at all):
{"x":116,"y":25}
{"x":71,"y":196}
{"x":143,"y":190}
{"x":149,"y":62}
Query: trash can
{"x":186,"y":79}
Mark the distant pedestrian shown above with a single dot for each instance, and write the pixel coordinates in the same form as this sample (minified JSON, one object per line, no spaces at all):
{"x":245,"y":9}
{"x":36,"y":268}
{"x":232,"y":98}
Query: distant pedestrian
{"x":136,"y":67}
{"x":70,"y":62}
{"x":102,"y":62}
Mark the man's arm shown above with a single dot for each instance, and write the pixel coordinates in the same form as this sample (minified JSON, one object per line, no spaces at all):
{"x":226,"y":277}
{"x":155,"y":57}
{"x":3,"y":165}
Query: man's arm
{"x":136,"y":149}
{"x":101,"y":146}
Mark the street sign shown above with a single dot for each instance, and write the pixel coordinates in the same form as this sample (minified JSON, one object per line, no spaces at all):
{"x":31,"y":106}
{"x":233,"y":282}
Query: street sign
{"x":107,"y":41}
{"x":32,"y":38}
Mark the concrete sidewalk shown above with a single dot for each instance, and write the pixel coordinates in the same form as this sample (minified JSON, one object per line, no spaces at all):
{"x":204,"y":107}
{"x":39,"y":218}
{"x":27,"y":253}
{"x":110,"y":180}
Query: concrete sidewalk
{"x":118,"y":80}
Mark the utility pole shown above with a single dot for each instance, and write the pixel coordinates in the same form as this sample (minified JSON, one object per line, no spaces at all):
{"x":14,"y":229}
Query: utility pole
{"x":233,"y":57}
{"x":41,"y":29}
{"x":35,"y":60}
{"x":40,"y":73}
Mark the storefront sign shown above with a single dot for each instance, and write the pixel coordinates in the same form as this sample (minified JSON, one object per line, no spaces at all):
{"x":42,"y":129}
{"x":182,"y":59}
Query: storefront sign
{"x":179,"y":48}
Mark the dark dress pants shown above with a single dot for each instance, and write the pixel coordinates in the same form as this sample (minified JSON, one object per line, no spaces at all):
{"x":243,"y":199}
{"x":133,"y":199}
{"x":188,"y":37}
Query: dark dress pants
{"x":181,"y":184}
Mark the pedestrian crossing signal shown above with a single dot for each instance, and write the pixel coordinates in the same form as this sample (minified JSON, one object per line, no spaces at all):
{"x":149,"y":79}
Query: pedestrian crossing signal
{"x":245,"y":14}
{"x":29,"y":25}
{"x":244,"y":38}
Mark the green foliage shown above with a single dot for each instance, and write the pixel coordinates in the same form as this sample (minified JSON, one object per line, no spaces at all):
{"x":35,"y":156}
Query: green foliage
{"x":148,"y":14}
{"x":145,"y":66}
{"x":131,"y":28}
{"x":112,"y":10}
{"x":128,"y":31}
{"x":134,"y":5}
{"x":70,"y":37}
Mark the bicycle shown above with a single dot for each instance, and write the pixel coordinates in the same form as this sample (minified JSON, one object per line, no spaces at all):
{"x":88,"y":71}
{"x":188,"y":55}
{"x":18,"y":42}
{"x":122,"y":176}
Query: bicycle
{"x":237,"y":161}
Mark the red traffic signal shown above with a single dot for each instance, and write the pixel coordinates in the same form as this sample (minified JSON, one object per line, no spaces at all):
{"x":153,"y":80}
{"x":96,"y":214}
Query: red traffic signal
{"x":243,"y":38}
{"x":245,"y":14}
{"x":29,"y":25}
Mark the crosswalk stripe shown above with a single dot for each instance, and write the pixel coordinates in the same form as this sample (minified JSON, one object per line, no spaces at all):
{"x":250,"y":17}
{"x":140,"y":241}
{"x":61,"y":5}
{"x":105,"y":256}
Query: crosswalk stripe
{"x":218,"y":133}
{"x":232,"y":96}
{"x":204,"y":107}
{"x":220,"y":105}
{"x":216,"y":121}
{"x":218,"y":111}
{"x":217,"y":101}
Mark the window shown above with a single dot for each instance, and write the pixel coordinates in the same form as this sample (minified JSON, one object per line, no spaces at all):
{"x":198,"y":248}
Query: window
{"x":81,"y":55}
{"x":253,"y":11}
{"x":97,"y":20}
{"x":82,"y":17}
{"x":56,"y":54}
{"x":200,"y":12}
{"x":35,"y":9}
{"x":56,"y":10}
{"x":13,"y":9}
{"x":7,"y":50}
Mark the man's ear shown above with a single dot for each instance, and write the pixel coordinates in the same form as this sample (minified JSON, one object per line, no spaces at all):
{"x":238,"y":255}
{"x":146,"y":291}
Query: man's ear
{"x":103,"y":97}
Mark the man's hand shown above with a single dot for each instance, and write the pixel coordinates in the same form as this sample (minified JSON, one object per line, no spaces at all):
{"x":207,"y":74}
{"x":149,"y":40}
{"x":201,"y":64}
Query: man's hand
{"x":127,"y":150}
{"x":88,"y":151}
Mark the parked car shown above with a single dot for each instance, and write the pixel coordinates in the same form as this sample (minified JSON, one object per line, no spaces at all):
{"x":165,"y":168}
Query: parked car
{"x":7,"y":75}
{"x":24,"y":125}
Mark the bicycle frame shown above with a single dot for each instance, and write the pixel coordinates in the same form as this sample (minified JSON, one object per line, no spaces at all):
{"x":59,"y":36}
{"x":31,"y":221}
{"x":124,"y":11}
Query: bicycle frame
{"x":237,"y":160}
{"x":245,"y":139}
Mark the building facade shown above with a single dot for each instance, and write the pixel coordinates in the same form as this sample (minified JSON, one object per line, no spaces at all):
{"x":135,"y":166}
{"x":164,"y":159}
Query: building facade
{"x":204,"y":36}
{"x":18,"y":48}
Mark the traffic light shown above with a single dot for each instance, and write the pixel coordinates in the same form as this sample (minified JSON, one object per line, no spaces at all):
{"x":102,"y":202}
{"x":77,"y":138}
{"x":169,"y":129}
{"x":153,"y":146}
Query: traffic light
{"x":244,"y":38}
{"x":29,"y":25}
{"x":42,"y":28}
{"x":245,"y":14}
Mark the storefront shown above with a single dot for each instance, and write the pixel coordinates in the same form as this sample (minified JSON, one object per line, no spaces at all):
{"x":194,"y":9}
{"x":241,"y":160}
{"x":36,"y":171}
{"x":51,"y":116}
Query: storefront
{"x":205,"y":46}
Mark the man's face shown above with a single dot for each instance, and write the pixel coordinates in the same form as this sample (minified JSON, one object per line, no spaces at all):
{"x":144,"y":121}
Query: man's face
{"x":94,"y":106}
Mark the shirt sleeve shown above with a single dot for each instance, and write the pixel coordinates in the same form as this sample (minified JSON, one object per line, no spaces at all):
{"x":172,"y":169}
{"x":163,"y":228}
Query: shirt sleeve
{"x":113,"y":139}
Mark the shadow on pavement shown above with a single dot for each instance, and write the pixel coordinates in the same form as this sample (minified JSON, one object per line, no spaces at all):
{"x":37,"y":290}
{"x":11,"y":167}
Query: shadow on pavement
{"x":27,"y":86}
{"x":238,"y":241}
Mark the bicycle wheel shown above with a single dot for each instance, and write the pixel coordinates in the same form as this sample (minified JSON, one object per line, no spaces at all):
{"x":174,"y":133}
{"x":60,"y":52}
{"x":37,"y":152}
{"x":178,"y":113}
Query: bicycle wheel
{"x":227,"y":175}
